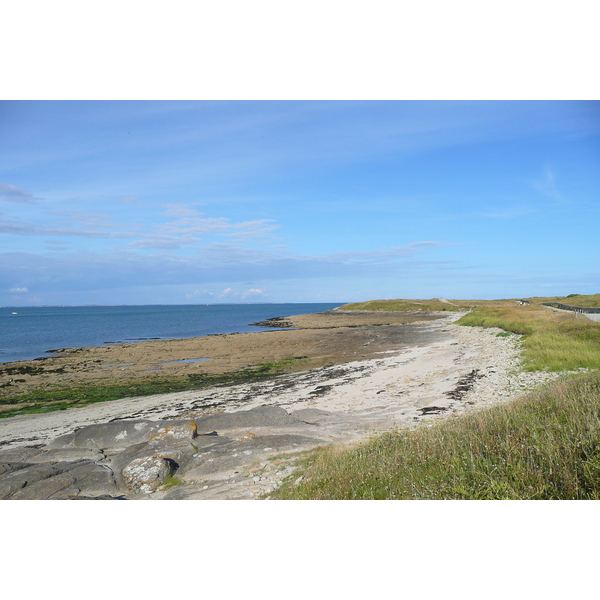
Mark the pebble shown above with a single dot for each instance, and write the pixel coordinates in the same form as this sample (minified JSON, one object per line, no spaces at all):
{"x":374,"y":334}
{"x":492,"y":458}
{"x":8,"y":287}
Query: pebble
{"x":500,"y":362}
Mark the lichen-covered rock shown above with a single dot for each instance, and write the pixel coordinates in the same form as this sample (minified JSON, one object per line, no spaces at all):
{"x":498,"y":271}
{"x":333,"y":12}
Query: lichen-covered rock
{"x":174,"y":433}
{"x":120,"y":434}
{"x":147,"y":473}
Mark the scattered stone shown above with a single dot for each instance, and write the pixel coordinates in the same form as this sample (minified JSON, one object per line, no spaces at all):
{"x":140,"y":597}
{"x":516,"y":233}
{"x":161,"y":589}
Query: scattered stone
{"x":428,"y":410}
{"x":146,"y":474}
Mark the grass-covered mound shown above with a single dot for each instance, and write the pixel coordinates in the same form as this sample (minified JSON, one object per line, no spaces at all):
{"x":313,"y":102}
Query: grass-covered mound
{"x":553,"y":341}
{"x":434,"y":304}
{"x":545,"y":445}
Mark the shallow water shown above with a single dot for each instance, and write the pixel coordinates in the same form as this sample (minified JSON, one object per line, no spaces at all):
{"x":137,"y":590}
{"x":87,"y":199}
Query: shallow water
{"x":33,"y":331}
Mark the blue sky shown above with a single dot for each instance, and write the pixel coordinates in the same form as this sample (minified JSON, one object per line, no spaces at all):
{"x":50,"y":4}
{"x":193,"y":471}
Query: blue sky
{"x":143,"y":202}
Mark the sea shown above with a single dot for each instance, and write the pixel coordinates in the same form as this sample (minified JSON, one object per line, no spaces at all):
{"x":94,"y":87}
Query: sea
{"x":27,"y":333}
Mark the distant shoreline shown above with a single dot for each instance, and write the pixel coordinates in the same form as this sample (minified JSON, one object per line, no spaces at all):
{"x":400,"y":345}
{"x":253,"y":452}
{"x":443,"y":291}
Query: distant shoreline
{"x":34,"y":332}
{"x":313,"y":341}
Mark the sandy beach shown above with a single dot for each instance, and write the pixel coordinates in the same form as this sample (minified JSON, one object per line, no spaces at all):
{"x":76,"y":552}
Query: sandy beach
{"x":374,"y":372}
{"x":314,"y":340}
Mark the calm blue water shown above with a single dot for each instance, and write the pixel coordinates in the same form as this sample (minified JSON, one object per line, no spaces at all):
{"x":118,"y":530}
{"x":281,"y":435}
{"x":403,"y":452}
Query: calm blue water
{"x":34,"y":330}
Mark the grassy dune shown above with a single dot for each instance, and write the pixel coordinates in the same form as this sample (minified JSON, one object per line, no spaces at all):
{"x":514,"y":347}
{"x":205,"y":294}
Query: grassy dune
{"x":545,"y":445}
{"x":409,"y":305}
{"x":553,"y":341}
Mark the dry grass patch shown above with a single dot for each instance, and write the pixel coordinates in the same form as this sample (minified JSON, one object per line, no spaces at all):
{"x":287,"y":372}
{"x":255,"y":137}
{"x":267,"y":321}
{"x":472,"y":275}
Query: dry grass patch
{"x":435,"y":304}
{"x":545,"y":445}
{"x":553,"y":341}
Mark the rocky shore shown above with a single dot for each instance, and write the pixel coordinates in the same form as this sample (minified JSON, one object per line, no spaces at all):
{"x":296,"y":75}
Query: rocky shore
{"x":240,"y":442}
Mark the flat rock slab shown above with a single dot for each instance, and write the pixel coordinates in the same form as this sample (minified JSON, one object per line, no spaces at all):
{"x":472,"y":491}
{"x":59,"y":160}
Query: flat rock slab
{"x":118,"y":459}
{"x":43,"y":455}
{"x":264,"y":416}
{"x":114,"y":435}
{"x":58,"y":480}
{"x":315,"y":416}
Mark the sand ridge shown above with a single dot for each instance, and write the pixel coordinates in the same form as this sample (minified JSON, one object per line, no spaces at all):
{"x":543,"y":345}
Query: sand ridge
{"x":315,"y":340}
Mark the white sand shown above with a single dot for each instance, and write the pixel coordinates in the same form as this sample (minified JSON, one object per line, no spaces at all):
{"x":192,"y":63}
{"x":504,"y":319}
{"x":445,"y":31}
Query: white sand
{"x":378,"y":393}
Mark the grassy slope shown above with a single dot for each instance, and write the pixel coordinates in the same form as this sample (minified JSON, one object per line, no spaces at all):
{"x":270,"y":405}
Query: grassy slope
{"x":545,"y":445}
{"x":553,"y":341}
{"x":408,"y":305}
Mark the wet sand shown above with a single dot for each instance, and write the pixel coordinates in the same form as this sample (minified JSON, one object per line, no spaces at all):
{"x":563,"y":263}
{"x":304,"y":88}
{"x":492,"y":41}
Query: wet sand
{"x":400,"y":376}
{"x":315,"y":340}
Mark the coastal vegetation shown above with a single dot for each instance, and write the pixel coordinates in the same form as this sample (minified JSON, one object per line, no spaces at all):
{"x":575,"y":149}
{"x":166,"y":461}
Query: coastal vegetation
{"x":552,"y":341}
{"x":51,"y":399}
{"x":434,"y":304}
{"x":545,"y":445}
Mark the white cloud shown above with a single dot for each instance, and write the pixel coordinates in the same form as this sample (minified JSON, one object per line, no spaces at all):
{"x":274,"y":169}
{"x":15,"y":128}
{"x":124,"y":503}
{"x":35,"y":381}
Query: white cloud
{"x":197,"y":293}
{"x":215,"y":263}
{"x":253,"y":292}
{"x":548,"y":186}
{"x":14,"y":194}
{"x":18,"y":290}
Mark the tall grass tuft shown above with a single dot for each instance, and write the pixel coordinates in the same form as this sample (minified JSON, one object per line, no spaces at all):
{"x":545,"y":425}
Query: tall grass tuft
{"x":545,"y":445}
{"x":553,"y":341}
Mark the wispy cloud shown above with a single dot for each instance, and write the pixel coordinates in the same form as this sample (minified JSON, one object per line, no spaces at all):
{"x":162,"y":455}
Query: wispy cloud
{"x":548,"y":186}
{"x":191,"y":227}
{"x":211,"y":264}
{"x":12,"y":193}
{"x":17,"y":227}
{"x":386,"y":255}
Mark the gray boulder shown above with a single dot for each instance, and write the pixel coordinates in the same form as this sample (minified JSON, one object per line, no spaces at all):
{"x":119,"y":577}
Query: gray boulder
{"x":176,"y":443}
{"x":146,"y":474}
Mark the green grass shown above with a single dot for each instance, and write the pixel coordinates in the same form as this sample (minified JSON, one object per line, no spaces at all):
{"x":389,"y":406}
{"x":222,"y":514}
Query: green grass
{"x":62,"y":398}
{"x":552,"y":341}
{"x":543,"y":446}
{"x":588,"y":301}
{"x":171,"y":481}
{"x":406,"y":305}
